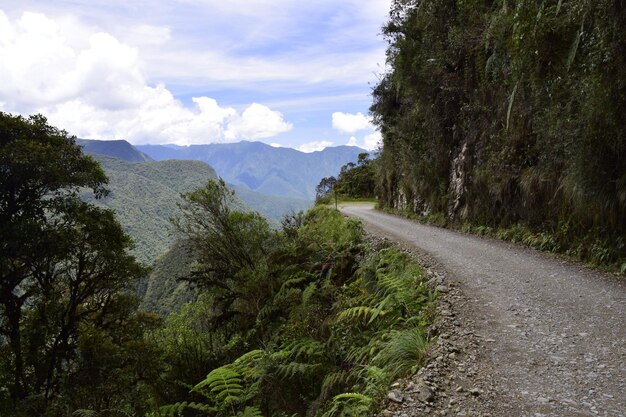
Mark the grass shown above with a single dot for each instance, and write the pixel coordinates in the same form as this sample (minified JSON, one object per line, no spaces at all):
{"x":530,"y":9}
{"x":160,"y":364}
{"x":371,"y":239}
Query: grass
{"x":591,"y":251}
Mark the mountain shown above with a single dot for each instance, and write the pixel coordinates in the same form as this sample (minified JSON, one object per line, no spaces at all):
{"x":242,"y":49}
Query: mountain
{"x":145,"y":197}
{"x":263,"y":168}
{"x":163,"y":292}
{"x":116,"y":148}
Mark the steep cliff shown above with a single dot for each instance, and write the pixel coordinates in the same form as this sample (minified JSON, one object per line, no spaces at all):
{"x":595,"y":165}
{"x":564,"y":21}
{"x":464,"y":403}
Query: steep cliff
{"x":505,"y":113}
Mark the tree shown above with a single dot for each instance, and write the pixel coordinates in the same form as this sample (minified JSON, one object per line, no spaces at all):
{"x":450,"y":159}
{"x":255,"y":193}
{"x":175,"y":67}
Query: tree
{"x":324,"y":189}
{"x":64,"y":264}
{"x":357,"y":180}
{"x":230,"y":247}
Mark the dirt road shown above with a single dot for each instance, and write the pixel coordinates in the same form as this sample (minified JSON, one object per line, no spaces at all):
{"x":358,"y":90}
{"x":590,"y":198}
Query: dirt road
{"x":554,"y":332}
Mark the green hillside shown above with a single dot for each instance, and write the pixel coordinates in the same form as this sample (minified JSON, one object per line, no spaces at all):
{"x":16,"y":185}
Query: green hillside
{"x":145,"y":196}
{"x":164,"y":293}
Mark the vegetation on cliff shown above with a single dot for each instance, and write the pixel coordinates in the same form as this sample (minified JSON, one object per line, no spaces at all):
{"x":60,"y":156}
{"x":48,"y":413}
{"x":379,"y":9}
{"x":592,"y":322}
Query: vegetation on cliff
{"x":509,"y":115}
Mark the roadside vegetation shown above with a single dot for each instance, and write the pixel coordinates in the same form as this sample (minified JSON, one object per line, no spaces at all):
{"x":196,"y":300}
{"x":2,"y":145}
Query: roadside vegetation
{"x":308,"y":319}
{"x":355,"y":182}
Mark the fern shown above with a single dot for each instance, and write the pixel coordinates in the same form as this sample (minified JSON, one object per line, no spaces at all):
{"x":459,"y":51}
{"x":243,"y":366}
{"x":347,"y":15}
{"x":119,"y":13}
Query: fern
{"x":350,"y":404}
{"x":297,"y":368}
{"x":305,"y":348}
{"x":222,"y":384}
{"x":177,"y":409}
{"x":332,"y":381}
{"x":391,"y":283}
{"x":250,"y":412}
{"x":357,"y":313}
{"x":308,"y":293}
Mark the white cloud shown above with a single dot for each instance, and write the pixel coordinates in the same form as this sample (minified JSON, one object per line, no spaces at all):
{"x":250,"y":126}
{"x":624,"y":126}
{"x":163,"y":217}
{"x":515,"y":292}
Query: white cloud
{"x":350,"y":123}
{"x":144,"y":34}
{"x":314,"y":146}
{"x":257,"y":122}
{"x":96,"y":88}
{"x":372,"y":141}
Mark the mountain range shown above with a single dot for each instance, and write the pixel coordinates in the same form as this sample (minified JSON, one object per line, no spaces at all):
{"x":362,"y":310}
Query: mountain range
{"x":145,"y":196}
{"x":146,"y":187}
{"x":263,"y":168}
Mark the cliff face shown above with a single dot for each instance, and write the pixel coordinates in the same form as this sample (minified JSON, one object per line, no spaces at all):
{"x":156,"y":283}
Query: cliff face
{"x":504,"y":113}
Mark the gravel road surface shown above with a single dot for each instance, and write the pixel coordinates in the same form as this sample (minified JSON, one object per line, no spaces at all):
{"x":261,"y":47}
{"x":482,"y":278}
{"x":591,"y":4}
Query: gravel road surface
{"x":554,"y":333}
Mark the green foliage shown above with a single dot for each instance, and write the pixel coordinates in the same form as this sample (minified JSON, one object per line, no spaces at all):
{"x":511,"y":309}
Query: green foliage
{"x":349,"y":404}
{"x":357,"y":180}
{"x":145,"y":196}
{"x":503,"y":114}
{"x":326,"y":190}
{"x":165,"y":293}
{"x":294,"y":341}
{"x":223,"y":385}
{"x":68,"y":324}
{"x":275,"y":329}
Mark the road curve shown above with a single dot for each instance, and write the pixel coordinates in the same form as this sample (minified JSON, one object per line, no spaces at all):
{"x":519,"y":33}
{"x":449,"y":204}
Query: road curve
{"x":557,"y":330}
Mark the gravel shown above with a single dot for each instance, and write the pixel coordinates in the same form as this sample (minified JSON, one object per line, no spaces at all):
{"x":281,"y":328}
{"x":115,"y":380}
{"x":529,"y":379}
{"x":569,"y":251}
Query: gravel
{"x":519,"y":333}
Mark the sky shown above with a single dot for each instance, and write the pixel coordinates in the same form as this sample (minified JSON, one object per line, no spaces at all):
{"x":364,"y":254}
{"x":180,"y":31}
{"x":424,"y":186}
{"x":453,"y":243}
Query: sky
{"x":288,"y":73}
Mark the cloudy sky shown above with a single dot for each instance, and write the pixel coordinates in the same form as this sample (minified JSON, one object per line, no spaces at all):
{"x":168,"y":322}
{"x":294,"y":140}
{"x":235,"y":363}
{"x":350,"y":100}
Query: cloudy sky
{"x":286,"y":72}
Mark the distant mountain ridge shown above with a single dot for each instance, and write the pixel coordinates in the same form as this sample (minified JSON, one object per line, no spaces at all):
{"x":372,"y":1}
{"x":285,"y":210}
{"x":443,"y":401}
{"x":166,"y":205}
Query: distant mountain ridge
{"x":261,"y":167}
{"x":145,"y":196}
{"x":120,"y":149}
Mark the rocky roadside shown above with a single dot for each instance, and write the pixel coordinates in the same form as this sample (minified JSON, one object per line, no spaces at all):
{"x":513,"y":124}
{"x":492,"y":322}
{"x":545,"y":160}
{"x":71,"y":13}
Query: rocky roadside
{"x":450,"y":383}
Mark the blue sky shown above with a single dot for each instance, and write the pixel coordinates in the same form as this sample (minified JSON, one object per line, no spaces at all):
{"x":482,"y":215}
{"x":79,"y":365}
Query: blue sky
{"x":284,"y":72}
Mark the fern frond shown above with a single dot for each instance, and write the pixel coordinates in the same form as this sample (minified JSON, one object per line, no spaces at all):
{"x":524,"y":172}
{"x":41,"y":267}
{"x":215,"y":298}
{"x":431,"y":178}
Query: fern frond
{"x":177,"y":409}
{"x":305,"y":348}
{"x":357,"y":313}
{"x":250,"y":412}
{"x":391,"y":283}
{"x":308,"y":292}
{"x":223,"y":384}
{"x":379,"y":310}
{"x":349,"y":404}
{"x":292,"y":282}
{"x":297,"y":368}
{"x":332,"y":381}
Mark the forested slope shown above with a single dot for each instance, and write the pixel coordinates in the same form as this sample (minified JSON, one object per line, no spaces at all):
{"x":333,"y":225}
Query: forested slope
{"x":145,"y":197}
{"x":509,"y":114}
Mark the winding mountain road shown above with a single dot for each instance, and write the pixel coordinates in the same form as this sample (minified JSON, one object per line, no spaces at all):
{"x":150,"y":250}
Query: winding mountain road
{"x":556,"y":331}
